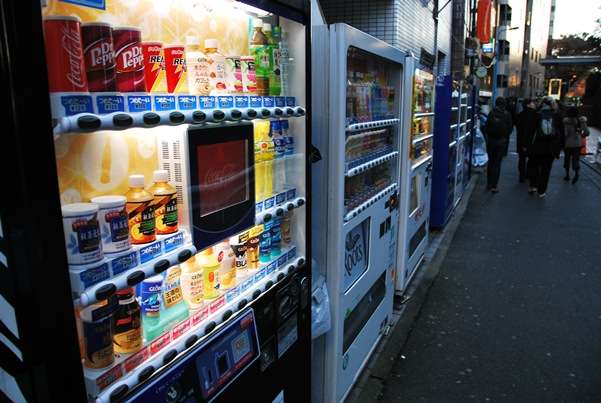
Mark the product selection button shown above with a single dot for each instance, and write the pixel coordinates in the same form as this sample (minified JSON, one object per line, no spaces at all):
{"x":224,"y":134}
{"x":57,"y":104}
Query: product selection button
{"x":226,"y":101}
{"x":290,"y":101}
{"x":280,"y":102}
{"x":206,"y":102}
{"x":256,"y":102}
{"x":241,"y":101}
{"x":164,"y":102}
{"x":268,"y":102}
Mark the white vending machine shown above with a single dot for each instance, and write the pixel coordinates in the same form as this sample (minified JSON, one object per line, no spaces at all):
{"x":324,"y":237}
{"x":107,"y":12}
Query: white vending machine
{"x":359,"y":89}
{"x":417,"y":167}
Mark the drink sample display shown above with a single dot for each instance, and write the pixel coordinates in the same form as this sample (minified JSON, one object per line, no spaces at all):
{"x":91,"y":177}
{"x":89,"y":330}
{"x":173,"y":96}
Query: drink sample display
{"x":359,"y":188}
{"x":154,"y":67}
{"x":98,"y":51}
{"x":198,"y":67}
{"x":140,"y":211}
{"x":216,"y":62}
{"x":259,"y":49}
{"x":175,"y":68}
{"x":164,"y":203}
{"x":363,"y":146}
{"x":128,"y":328}
{"x":129,"y":60}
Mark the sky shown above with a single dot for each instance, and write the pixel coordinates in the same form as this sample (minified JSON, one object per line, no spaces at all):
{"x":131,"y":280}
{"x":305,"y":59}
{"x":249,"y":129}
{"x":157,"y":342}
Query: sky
{"x":575,"y":16}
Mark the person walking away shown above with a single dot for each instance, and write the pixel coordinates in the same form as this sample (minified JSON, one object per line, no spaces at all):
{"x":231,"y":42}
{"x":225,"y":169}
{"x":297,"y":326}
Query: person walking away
{"x":543,"y":150}
{"x":574,"y":130}
{"x":497,"y":129}
{"x":525,"y":126}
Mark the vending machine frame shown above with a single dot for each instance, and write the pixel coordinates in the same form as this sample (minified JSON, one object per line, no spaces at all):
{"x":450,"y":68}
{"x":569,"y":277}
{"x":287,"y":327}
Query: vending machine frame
{"x":340,"y":357}
{"x":40,"y":349}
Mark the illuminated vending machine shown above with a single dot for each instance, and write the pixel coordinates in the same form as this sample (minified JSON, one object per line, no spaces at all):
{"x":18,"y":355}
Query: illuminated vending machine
{"x":418,"y":169}
{"x":156,"y":238}
{"x":359,"y":85}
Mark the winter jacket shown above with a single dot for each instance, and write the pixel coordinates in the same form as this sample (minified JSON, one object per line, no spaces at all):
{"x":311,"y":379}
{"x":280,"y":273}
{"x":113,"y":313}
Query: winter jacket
{"x":526,"y":126}
{"x":545,"y":144}
{"x":573,"y":131}
{"x":498,"y":126}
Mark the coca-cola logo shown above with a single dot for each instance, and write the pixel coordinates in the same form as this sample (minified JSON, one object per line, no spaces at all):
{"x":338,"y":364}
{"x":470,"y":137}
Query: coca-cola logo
{"x":99,"y":54}
{"x":220,"y":175}
{"x":130,"y":58}
{"x":71,"y":43}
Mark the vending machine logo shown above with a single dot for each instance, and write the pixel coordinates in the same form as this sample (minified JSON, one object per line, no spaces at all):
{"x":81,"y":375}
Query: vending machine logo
{"x":130,"y":58}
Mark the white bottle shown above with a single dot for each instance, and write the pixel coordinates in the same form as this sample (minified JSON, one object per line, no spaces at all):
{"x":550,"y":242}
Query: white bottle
{"x":285,"y":64}
{"x":198,"y":67}
{"x":216,"y":67}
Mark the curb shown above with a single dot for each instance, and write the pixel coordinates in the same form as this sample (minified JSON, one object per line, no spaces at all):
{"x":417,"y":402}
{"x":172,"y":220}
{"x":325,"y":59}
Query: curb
{"x":370,"y":385}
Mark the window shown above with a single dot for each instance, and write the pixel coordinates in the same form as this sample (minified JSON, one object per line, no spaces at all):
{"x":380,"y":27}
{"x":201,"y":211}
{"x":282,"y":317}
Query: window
{"x":504,"y":50}
{"x":504,"y":14}
{"x":532,"y":54}
{"x":501,"y":81}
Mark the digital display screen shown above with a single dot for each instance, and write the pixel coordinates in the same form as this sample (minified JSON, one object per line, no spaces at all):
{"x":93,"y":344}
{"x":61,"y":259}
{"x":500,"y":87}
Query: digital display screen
{"x":222,"y":175}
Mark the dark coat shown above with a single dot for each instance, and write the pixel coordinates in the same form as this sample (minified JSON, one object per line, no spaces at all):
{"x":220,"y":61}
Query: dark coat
{"x":525,"y":125}
{"x":546,"y":145}
{"x":498,"y":134}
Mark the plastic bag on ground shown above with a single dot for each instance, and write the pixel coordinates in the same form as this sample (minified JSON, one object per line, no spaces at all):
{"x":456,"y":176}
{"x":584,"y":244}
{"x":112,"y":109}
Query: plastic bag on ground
{"x":479,"y":155}
{"x":320,"y":304}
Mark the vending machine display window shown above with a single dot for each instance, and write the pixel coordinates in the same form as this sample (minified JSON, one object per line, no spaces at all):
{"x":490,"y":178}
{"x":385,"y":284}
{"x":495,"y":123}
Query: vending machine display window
{"x":221,"y":181}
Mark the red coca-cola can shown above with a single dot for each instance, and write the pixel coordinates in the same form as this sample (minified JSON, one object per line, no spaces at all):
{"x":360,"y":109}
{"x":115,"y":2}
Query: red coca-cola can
{"x":129,"y":60}
{"x":99,"y":56}
{"x":66,"y":70}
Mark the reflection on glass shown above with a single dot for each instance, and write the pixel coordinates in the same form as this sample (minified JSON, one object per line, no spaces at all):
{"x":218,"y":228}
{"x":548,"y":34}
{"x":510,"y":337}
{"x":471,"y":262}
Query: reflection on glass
{"x":421,"y":149}
{"x":356,"y":253}
{"x":370,"y":91}
{"x":364,"y":146}
{"x":423,"y":91}
{"x":414,"y":196}
{"x":359,"y":188}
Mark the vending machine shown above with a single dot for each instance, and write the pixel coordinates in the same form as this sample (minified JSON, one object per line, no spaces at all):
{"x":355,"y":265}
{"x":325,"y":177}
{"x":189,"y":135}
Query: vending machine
{"x":154,"y":241}
{"x":418,"y":169}
{"x":453,"y":147}
{"x":359,"y":83}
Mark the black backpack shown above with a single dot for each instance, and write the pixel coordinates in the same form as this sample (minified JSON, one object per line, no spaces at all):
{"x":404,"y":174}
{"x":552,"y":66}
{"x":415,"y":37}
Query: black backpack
{"x":496,"y":124}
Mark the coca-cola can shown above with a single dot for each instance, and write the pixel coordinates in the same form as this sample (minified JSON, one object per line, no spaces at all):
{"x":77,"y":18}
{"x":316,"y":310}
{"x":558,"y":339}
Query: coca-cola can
{"x":129,"y":60}
{"x":99,"y":56}
{"x":154,"y":66}
{"x":64,"y":54}
{"x":175,"y":68}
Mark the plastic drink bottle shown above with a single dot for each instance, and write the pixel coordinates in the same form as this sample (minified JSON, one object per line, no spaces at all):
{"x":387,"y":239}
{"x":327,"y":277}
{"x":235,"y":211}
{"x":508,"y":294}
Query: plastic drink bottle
{"x":268,"y":151}
{"x":216,"y":63}
{"x":279,"y":168}
{"x":264,"y":154}
{"x":140,"y":211}
{"x":191,"y":283}
{"x":289,"y":163}
{"x":198,"y":67}
{"x":259,"y":50}
{"x":128,"y":330}
{"x":273,"y":46}
{"x":165,"y":203}
{"x":210,"y":279}
{"x":227,"y":271}
{"x":276,"y":238}
{"x":265,"y":245}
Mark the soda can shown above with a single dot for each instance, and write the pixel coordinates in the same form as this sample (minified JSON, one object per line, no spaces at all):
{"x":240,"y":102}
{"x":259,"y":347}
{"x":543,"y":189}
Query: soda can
{"x":175,"y":68}
{"x":154,"y":66}
{"x":233,"y":75}
{"x":64,"y":54}
{"x":150,"y":295}
{"x":99,"y":56}
{"x":129,"y":60}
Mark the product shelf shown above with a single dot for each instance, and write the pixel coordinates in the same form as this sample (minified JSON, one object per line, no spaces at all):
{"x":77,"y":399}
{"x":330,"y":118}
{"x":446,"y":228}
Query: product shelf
{"x":422,"y":114}
{"x":455,"y":108}
{"x":453,"y":143}
{"x":454,"y":126}
{"x":356,"y":127}
{"x":422,"y":138}
{"x":95,"y":282}
{"x":166,"y":111}
{"x":277,"y":205}
{"x":354,"y":212}
{"x":370,"y":164}
{"x":420,"y":161}
{"x":110,"y":384}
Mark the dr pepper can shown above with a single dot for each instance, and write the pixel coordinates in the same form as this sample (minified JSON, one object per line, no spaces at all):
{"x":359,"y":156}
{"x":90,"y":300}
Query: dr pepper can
{"x":129,"y":60}
{"x":99,"y":56}
{"x":66,"y":70}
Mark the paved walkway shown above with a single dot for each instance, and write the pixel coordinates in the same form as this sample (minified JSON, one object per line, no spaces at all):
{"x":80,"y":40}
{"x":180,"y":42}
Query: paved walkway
{"x":515,"y":313}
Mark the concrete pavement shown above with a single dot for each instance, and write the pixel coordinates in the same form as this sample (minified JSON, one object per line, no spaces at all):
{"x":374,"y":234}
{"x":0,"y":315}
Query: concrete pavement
{"x":515,"y":313}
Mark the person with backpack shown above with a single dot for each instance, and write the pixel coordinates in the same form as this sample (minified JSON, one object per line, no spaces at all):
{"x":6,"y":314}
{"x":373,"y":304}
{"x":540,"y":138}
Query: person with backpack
{"x":497,"y":129}
{"x":525,"y":126}
{"x":544,"y":149}
{"x":574,"y":130}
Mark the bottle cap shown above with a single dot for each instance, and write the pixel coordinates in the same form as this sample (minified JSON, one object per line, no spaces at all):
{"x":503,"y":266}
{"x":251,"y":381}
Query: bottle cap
{"x":109,"y":201}
{"x":79,"y":209}
{"x":266,"y":27}
{"x":192,"y":40}
{"x":211,"y":43}
{"x":136,"y":181}
{"x":125,"y":293}
{"x":160,"y":175}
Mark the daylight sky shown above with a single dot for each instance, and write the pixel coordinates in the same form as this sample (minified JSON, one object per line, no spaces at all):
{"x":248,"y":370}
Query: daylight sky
{"x":575,"y":16}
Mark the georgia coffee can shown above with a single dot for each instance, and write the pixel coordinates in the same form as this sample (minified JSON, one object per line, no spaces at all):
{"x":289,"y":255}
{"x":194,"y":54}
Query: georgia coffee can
{"x":99,"y":56}
{"x":175,"y":68}
{"x":66,"y":69}
{"x":129,"y":60}
{"x":154,"y":66}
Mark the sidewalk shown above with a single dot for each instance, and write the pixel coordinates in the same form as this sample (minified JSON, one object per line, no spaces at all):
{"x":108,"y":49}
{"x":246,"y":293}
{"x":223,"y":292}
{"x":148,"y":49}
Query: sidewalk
{"x":515,"y":313}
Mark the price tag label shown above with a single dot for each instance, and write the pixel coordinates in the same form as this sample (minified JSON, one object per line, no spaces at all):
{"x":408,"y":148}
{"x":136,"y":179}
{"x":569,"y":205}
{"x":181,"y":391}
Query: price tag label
{"x":206,"y":102}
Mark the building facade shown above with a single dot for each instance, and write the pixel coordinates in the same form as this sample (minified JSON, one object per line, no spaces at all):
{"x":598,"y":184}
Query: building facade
{"x":405,"y":24}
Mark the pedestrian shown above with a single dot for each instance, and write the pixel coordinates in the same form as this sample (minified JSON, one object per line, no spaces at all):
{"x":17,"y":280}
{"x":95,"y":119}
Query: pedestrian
{"x":544,"y":149}
{"x":497,"y":129}
{"x":574,"y":130}
{"x":525,"y":125}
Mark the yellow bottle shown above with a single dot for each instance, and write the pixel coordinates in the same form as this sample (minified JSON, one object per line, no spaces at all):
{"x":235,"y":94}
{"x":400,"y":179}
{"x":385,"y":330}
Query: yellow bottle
{"x":140,"y":211}
{"x":264,"y":154}
{"x":192,"y":282}
{"x":210,"y":278}
{"x":165,"y":203}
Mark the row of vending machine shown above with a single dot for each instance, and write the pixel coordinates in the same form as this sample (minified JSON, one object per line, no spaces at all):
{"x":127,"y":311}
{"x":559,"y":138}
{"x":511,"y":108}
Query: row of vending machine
{"x":160,"y":245}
